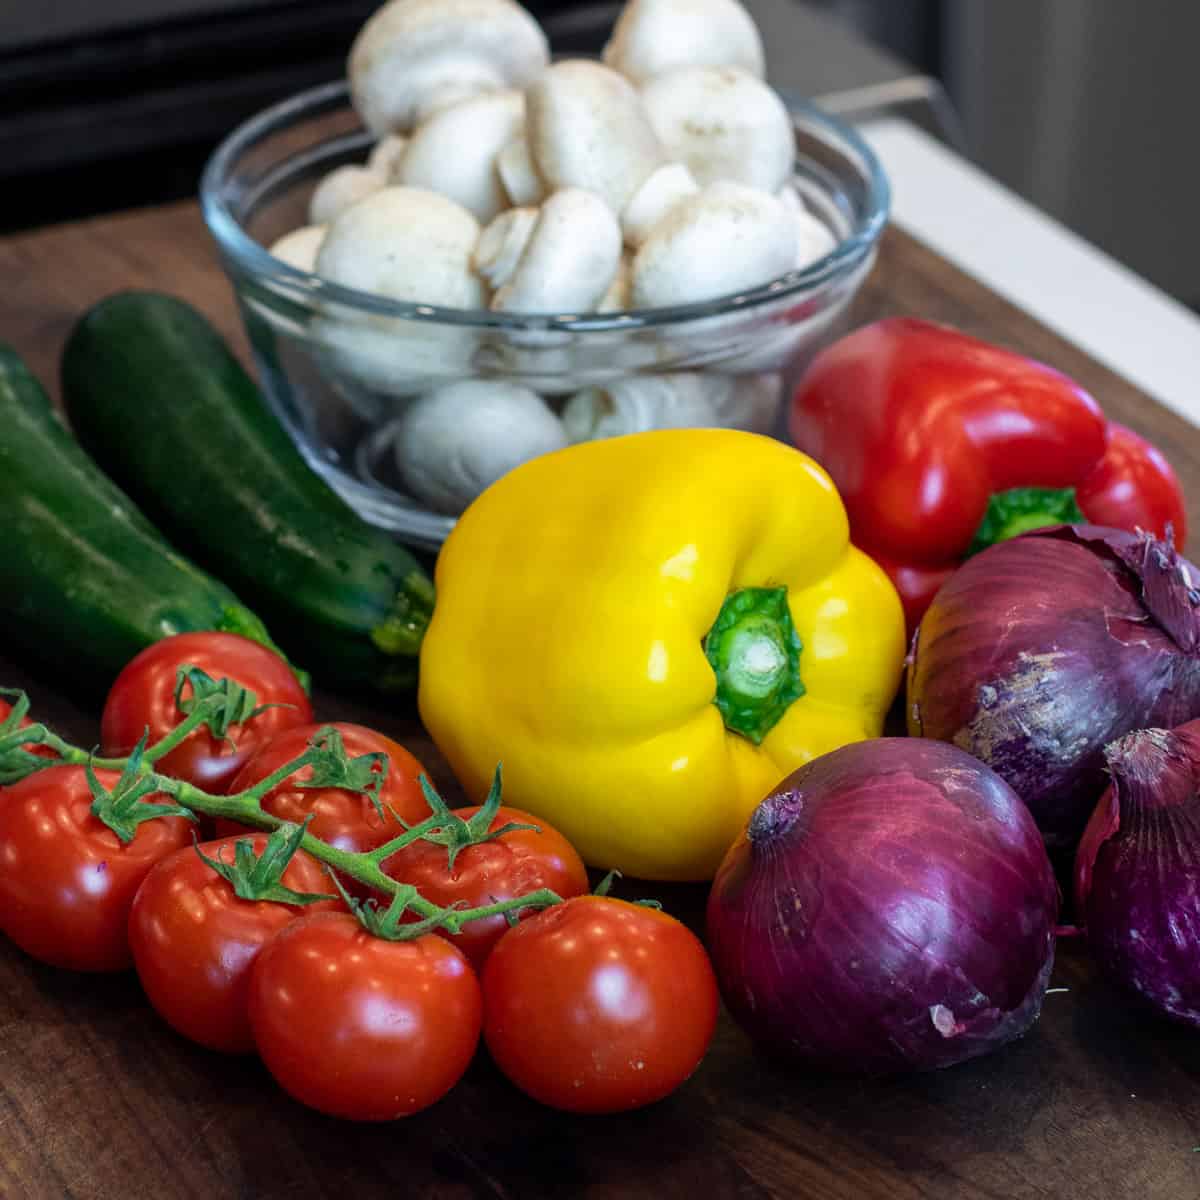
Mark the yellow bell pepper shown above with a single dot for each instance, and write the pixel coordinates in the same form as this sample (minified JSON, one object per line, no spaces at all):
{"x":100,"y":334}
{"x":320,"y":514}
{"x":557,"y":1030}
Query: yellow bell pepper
{"x":648,"y":633}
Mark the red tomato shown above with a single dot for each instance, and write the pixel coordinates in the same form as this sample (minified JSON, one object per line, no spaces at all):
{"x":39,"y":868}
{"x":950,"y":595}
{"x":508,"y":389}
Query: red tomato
{"x":144,"y":697}
{"x":194,"y":941}
{"x":597,"y":1005}
{"x":66,"y":880}
{"x":359,"y":1027}
{"x":342,"y":818}
{"x":518,"y":862}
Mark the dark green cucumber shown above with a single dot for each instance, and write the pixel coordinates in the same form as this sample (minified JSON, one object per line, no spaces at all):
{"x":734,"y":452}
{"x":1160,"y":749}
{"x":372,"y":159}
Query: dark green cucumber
{"x":85,"y":579}
{"x":155,"y":394}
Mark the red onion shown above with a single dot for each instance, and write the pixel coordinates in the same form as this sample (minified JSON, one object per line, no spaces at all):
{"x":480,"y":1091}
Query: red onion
{"x":1137,"y":873}
{"x":889,"y":907}
{"x":1040,"y":650}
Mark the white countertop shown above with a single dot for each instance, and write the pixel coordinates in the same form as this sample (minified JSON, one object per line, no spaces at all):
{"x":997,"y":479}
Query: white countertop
{"x":1025,"y":256}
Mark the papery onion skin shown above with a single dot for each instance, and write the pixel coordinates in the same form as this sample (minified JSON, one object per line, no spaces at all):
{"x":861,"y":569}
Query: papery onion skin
{"x":1137,"y":872}
{"x":1040,"y":650}
{"x":890,"y":907}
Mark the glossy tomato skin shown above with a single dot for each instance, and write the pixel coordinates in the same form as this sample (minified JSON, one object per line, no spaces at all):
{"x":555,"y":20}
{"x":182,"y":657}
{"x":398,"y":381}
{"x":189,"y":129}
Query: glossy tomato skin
{"x":194,"y":941}
{"x":67,"y":881}
{"x":143,"y":696}
{"x":344,"y":819}
{"x":359,"y":1027}
{"x":520,"y":861}
{"x":597,"y":1005}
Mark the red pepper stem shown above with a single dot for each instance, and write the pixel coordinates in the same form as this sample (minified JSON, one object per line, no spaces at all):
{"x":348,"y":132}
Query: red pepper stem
{"x":1018,"y":510}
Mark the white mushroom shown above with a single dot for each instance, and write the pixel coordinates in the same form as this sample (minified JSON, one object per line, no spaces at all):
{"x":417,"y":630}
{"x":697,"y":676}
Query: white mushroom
{"x":663,"y":189}
{"x":413,"y":57}
{"x":643,"y":402}
{"x":386,"y":153}
{"x":454,"y":442}
{"x":342,"y":187}
{"x":726,"y":238}
{"x":519,"y":174}
{"x":570,"y":259}
{"x":405,"y":244}
{"x":502,"y":243}
{"x":454,"y":151}
{"x":724,"y":123}
{"x":299,"y":248}
{"x":616,"y":299}
{"x":652,"y":36}
{"x":586,"y":129}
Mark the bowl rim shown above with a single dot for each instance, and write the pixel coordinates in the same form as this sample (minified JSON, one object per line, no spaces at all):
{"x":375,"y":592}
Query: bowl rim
{"x":256,"y":261}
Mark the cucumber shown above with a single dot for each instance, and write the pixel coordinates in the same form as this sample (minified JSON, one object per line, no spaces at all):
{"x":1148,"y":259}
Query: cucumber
{"x":160,"y":401}
{"x":86,"y":581}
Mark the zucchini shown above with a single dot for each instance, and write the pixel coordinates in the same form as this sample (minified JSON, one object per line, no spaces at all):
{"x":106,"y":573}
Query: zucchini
{"x":86,"y":581}
{"x":160,"y":401}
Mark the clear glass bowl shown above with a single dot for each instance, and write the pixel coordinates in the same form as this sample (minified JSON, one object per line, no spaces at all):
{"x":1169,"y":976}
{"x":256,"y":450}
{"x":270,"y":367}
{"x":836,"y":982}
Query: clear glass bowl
{"x":340,"y":366}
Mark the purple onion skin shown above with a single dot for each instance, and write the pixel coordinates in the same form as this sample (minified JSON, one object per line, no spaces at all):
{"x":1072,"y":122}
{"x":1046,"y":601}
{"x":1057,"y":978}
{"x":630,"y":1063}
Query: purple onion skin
{"x":1040,"y":650}
{"x":889,"y":908}
{"x":1137,"y":873}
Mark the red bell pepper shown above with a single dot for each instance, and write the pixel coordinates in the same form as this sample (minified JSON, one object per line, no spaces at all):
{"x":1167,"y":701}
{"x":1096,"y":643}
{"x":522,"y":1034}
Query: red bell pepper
{"x":941,"y":444}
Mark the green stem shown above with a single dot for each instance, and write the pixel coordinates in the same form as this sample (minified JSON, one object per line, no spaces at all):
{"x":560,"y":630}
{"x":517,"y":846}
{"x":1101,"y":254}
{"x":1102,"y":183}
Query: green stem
{"x":1018,"y":510}
{"x":754,"y":651}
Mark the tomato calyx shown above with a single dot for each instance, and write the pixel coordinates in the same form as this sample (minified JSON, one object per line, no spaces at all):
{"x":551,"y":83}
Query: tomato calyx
{"x":605,"y":886}
{"x":124,"y":808}
{"x":365,"y":774}
{"x":450,"y":830}
{"x":225,"y":702}
{"x":260,"y":876}
{"x":15,"y":760}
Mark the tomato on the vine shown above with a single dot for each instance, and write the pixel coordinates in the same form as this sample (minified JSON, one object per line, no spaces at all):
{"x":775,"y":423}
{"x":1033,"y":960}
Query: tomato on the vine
{"x":598,"y":1005}
{"x":345,"y":819}
{"x":194,"y":940}
{"x":66,"y":880}
{"x":143,"y":697}
{"x":360,"y":1027}
{"x":517,"y":862}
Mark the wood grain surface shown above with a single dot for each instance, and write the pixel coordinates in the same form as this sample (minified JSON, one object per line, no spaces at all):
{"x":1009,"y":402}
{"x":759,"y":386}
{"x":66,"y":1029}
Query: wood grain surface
{"x":99,"y":1100}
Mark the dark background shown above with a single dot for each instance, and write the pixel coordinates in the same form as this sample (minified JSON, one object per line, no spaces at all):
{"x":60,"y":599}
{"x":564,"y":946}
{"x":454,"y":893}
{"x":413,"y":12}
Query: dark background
{"x":1085,"y":109}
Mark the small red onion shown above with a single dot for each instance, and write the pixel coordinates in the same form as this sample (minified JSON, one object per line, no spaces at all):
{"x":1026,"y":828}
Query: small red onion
{"x":1040,"y":650}
{"x":889,"y":907}
{"x":1137,"y":873}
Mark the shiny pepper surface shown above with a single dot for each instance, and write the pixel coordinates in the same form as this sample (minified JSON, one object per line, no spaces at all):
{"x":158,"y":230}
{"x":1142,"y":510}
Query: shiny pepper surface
{"x":606,"y":613}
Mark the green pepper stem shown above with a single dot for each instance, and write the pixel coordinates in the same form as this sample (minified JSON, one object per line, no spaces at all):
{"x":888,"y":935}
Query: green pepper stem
{"x":754,"y":651}
{"x":1018,"y":510}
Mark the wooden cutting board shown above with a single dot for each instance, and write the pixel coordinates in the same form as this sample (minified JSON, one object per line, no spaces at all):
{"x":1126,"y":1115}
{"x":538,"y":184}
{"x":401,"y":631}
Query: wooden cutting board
{"x":98,"y":1099}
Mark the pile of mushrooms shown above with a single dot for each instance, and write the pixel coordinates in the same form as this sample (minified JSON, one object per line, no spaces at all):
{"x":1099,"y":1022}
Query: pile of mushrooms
{"x":660,"y":176}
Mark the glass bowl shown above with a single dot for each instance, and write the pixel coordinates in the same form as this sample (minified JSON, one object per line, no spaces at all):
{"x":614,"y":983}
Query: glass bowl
{"x":340,"y":367}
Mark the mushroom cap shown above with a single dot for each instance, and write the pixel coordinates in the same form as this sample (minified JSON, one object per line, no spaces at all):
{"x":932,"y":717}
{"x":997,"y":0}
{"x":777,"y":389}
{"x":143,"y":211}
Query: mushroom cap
{"x":407,"y":244}
{"x":460,"y":438}
{"x":413,"y":56}
{"x":639,"y":403}
{"x":299,"y":247}
{"x":342,"y":187}
{"x":724,"y":123}
{"x":586,"y":128}
{"x":570,"y":259}
{"x":652,"y":36}
{"x":662,"y":188}
{"x":726,"y":238}
{"x":519,"y":174}
{"x":454,"y":151}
